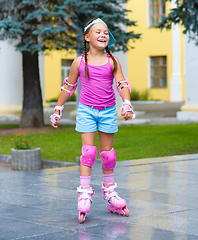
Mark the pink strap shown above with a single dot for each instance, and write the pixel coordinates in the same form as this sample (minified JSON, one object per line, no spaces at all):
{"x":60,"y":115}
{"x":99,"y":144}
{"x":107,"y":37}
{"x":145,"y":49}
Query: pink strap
{"x":125,"y":81}
{"x":127,"y":108}
{"x":53,"y":118}
{"x":69,"y":91}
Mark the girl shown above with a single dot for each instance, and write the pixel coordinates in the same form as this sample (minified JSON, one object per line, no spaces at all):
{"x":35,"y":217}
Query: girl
{"x":97,"y":111}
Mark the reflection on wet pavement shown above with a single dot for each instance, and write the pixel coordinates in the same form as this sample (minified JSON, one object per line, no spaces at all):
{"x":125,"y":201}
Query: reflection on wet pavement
{"x":161,"y":194}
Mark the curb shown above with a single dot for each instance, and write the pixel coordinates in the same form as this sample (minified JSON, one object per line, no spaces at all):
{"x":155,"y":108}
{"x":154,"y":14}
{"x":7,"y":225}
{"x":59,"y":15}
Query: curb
{"x":45,"y":163}
{"x":147,"y":102}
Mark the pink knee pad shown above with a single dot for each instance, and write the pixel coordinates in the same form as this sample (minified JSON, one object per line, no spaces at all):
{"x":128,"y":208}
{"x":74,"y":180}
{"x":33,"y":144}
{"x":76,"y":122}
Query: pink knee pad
{"x":89,"y":154}
{"x":108,"y":159}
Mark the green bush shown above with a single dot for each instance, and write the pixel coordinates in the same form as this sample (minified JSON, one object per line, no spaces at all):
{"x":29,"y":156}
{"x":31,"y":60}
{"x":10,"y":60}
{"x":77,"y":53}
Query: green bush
{"x":145,"y":95}
{"x":135,"y":95}
{"x":140,"y":95}
{"x":71,"y":99}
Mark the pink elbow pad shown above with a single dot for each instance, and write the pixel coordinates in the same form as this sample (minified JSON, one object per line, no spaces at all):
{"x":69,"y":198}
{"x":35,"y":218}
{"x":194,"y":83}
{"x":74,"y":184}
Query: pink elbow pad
{"x":119,"y":83}
{"x":69,"y":91}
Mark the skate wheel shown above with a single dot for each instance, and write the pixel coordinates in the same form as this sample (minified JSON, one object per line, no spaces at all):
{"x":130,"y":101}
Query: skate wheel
{"x":82,"y":218}
{"x":126,"y":212}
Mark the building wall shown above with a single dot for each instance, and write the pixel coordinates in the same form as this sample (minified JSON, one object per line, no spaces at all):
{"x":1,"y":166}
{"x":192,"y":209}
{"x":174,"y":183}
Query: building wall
{"x":11,"y":89}
{"x":153,"y":42}
{"x":11,"y":78}
{"x":191,"y":62}
{"x":52,"y":66}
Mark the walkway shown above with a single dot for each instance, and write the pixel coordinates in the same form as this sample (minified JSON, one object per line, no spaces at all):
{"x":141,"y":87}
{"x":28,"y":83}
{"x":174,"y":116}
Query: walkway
{"x":161,"y":194}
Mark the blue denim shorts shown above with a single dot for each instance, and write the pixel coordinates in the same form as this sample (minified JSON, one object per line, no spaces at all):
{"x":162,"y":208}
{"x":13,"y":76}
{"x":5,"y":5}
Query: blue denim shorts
{"x":89,"y":119}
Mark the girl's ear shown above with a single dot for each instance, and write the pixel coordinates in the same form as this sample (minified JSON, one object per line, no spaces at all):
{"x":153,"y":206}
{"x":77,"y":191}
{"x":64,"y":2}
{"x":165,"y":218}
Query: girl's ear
{"x":87,"y":38}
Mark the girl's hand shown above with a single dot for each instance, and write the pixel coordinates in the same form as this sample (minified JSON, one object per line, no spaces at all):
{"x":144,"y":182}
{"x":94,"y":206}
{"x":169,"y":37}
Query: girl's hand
{"x":57,"y":120}
{"x":127,"y":115}
{"x":55,"y":125}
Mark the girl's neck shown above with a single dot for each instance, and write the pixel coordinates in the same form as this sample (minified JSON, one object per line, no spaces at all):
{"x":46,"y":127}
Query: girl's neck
{"x":95,"y":53}
{"x":97,"y":58}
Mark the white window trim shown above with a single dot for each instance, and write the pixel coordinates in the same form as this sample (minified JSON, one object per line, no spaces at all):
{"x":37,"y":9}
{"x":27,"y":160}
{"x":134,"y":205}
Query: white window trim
{"x":148,"y":24}
{"x":149,"y":72}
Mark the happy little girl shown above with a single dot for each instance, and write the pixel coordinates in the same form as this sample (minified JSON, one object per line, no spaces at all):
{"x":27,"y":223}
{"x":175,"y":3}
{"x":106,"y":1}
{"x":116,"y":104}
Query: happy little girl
{"x":97,"y":112}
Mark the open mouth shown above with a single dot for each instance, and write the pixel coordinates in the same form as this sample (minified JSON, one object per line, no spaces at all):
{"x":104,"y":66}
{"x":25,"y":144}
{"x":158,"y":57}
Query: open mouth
{"x":102,"y":40}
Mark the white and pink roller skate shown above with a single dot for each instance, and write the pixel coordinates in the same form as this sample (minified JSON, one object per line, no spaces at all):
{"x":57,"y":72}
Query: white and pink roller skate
{"x":115,"y":204}
{"x":84,"y":202}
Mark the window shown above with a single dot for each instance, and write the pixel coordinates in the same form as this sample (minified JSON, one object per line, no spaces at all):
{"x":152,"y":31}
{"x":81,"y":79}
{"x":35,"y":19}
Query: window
{"x":65,"y":68}
{"x":157,"y":11}
{"x":158,"y":72}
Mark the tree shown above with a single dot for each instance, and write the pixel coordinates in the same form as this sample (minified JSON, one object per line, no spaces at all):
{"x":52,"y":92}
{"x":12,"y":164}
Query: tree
{"x":39,"y":25}
{"x":185,"y":13}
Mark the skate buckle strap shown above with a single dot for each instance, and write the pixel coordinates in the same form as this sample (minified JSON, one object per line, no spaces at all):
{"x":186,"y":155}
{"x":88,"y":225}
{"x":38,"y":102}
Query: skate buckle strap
{"x":85,"y":196}
{"x":85,"y":190}
{"x":112,"y":194}
{"x":85,"y":193}
{"x":111,"y":188}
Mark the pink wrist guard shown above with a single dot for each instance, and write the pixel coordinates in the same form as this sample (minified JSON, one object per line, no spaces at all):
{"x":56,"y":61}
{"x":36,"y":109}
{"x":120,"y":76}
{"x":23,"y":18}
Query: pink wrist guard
{"x":55,"y":115}
{"x":53,"y":118}
{"x":127,"y":108}
{"x":69,"y":91}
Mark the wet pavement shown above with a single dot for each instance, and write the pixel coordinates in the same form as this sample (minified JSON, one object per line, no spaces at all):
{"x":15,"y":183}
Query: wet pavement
{"x":161,"y":194}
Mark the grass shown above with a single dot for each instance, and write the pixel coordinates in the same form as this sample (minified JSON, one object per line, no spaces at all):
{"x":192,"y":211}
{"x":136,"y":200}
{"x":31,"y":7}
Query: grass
{"x":132,"y":142}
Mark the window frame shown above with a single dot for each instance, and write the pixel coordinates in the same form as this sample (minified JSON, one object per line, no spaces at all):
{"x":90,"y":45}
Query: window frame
{"x":159,"y":4}
{"x":160,"y":76}
{"x":65,"y":68}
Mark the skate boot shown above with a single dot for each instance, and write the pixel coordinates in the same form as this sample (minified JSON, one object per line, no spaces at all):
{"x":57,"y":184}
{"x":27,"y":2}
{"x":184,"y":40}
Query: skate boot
{"x":115,"y":204}
{"x":84,"y":202}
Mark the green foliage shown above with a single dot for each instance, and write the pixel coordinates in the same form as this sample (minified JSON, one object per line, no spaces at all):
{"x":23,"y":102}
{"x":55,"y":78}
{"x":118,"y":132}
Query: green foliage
{"x":22,"y":141}
{"x":135,"y":95}
{"x":185,"y":13}
{"x":133,"y":142}
{"x":71,"y":99}
{"x":39,"y":25}
{"x":145,"y":94}
{"x":140,"y":95}
{"x":58,"y":24}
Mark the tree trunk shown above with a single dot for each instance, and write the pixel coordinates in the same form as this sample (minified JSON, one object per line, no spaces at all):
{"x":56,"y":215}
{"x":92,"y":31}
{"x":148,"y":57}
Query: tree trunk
{"x":32,"y":113}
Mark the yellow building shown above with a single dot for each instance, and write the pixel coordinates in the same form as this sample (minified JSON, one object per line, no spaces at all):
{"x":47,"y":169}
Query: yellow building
{"x":56,"y":67}
{"x":157,"y":60}
{"x":155,"y":63}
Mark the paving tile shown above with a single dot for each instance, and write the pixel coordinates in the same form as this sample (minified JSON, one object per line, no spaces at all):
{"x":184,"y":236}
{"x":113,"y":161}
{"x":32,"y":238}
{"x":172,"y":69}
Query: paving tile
{"x":161,"y":194}
{"x":11,"y":228}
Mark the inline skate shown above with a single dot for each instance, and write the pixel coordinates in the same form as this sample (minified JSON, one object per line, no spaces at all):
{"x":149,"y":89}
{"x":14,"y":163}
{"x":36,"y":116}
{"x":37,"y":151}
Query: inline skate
{"x":115,"y":204}
{"x":84,"y":202}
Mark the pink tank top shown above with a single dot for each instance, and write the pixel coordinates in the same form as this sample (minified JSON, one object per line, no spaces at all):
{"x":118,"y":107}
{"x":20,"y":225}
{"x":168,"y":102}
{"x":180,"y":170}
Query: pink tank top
{"x":98,"y":89}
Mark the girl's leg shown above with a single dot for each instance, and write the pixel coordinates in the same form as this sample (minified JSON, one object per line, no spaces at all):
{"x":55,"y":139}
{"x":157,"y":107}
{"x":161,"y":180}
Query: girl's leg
{"x":106,"y":144}
{"x":85,"y":192}
{"x":115,"y":203}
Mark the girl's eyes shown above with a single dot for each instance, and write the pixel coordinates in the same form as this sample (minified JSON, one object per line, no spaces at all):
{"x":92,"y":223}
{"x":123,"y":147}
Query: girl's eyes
{"x":106,"y":33}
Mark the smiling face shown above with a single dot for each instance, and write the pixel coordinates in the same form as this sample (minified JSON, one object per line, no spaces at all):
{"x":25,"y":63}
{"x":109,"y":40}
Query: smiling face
{"x":98,"y":36}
